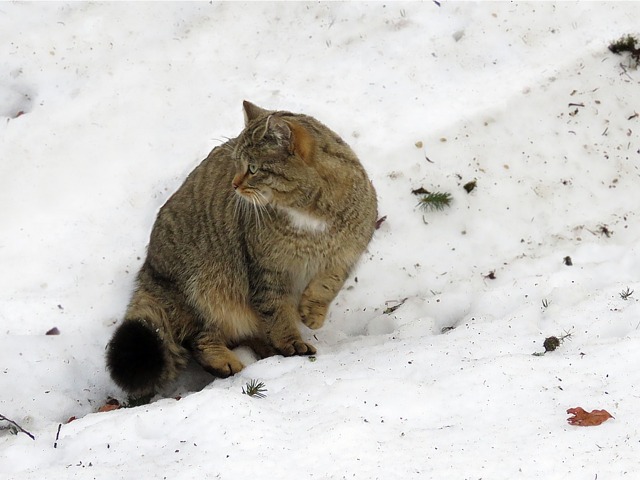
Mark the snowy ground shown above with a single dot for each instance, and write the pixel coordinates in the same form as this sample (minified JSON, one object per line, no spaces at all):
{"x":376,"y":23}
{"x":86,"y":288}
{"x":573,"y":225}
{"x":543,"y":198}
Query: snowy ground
{"x":104,"y":109}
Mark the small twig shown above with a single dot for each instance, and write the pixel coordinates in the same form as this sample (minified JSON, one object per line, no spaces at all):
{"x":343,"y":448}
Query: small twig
{"x":393,"y":308}
{"x":55,"y":444}
{"x":624,"y":71}
{"x":2,"y":417}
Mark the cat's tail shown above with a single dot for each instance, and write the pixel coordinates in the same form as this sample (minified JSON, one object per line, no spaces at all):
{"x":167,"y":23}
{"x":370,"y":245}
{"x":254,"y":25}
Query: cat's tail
{"x":136,"y":358}
{"x":142,"y":355}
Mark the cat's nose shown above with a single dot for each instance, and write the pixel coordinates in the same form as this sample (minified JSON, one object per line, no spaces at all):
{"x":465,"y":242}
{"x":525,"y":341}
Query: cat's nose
{"x":236,"y":181}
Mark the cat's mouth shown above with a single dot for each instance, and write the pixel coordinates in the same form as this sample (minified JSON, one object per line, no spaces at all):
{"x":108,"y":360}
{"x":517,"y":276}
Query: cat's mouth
{"x":253,"y":196}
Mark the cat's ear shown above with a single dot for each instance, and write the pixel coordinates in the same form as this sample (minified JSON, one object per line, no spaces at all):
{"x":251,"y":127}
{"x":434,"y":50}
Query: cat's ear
{"x":303,"y":143}
{"x":291,"y":135}
{"x":251,"y":112}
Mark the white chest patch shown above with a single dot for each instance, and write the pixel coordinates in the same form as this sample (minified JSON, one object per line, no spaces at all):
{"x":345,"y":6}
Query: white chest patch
{"x":304,"y":222}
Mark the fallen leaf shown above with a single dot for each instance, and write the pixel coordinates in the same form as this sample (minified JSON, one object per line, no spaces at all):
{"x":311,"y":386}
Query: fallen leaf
{"x":112,"y":404}
{"x":469,"y":186}
{"x":71,"y":419}
{"x":420,"y":191}
{"x":583,"y":418}
{"x":551,"y":343}
{"x":380,"y":221}
{"x":53,"y":331}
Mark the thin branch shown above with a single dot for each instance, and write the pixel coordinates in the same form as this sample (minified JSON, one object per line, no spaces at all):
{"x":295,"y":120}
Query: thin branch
{"x":2,"y":417}
{"x":55,"y":444}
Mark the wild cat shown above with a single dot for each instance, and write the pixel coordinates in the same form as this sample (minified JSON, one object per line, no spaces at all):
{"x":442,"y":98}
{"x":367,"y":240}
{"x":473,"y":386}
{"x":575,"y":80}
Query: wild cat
{"x":260,"y":236}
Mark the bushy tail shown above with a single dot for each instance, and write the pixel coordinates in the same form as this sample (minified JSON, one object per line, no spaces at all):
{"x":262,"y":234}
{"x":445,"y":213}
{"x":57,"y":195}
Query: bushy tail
{"x":143,"y":354}
{"x":137,"y":358}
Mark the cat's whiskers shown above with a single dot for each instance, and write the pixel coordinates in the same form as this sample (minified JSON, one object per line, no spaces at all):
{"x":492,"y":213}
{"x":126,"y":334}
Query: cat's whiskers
{"x":226,"y":148}
{"x":256,"y":209}
{"x":239,"y":205}
{"x":264,"y":203}
{"x":257,"y":204}
{"x":246,"y":205}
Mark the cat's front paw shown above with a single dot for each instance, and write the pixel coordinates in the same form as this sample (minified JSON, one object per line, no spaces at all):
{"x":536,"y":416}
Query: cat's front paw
{"x":312,"y":313}
{"x":294,"y":347}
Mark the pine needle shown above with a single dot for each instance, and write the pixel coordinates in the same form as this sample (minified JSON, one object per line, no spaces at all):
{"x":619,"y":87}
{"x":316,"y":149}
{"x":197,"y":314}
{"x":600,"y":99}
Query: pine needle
{"x":254,"y":388}
{"x":435,"y":201}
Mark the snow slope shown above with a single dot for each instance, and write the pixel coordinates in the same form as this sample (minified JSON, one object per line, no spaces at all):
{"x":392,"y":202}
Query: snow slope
{"x":105,"y":108}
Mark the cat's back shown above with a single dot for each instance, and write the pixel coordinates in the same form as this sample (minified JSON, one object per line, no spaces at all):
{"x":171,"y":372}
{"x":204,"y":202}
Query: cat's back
{"x":349,"y":196}
{"x":195,"y":225}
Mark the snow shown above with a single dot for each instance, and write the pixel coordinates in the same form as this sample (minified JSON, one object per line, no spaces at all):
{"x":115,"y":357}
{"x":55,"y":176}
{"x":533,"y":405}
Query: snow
{"x":121,"y":101}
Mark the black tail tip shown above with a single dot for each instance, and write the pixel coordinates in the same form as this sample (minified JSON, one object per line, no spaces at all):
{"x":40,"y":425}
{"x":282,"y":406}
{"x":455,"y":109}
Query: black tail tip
{"x":135,"y":357}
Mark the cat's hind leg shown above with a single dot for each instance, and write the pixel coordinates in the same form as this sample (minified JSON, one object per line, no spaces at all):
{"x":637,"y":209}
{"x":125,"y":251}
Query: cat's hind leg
{"x":225,"y":319}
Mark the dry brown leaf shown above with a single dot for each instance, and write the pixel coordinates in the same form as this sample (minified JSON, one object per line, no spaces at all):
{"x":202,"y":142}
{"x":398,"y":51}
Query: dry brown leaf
{"x":583,"y":418}
{"x":112,"y":404}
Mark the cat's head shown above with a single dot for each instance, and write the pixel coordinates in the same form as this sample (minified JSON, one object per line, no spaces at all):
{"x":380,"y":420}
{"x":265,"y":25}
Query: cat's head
{"x":274,"y":157}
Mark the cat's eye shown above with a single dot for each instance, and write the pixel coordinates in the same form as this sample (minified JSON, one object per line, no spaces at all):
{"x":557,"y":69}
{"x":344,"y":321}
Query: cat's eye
{"x":253,"y":168}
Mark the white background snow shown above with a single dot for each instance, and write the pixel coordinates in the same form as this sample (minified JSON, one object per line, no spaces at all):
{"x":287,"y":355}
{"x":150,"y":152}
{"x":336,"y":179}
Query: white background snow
{"x":105,"y":108}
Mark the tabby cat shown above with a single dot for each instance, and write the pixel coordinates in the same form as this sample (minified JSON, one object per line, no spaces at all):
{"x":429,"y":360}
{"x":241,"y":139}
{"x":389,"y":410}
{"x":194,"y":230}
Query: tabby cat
{"x":261,"y":235}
